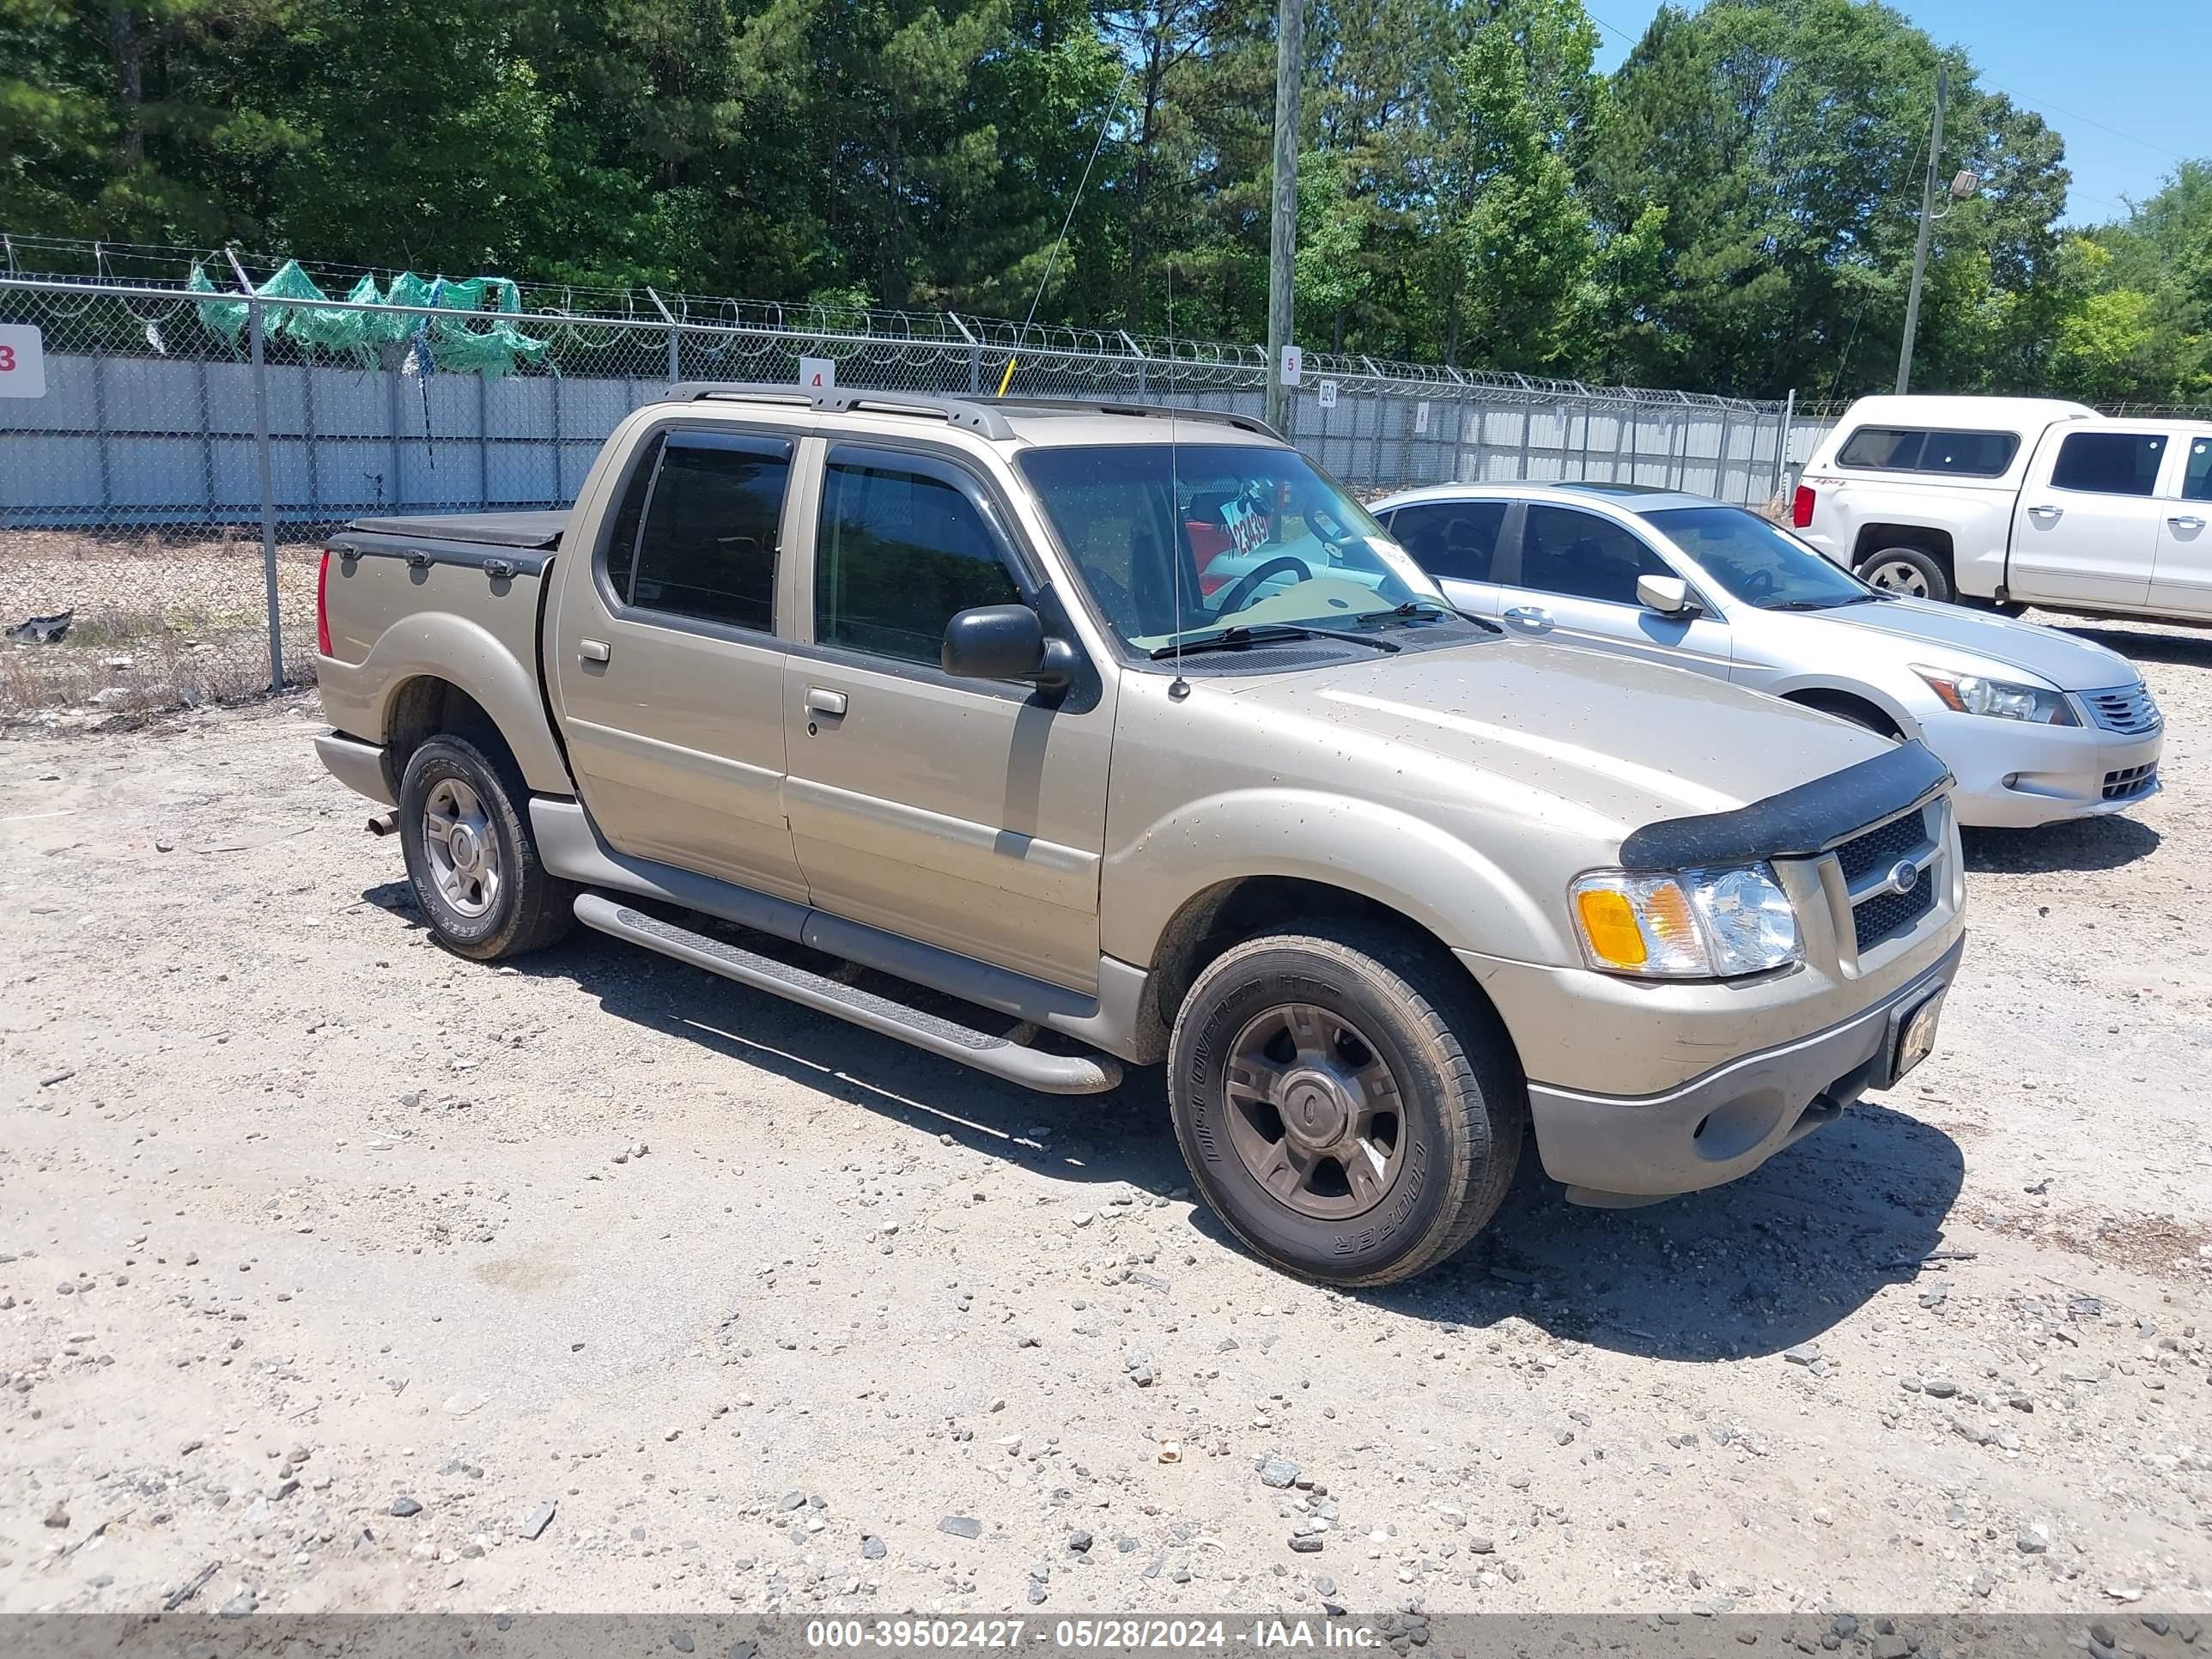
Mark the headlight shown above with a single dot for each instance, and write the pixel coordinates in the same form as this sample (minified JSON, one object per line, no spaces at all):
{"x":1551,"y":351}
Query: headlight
{"x":1970,"y":694}
{"x":1691,"y":924}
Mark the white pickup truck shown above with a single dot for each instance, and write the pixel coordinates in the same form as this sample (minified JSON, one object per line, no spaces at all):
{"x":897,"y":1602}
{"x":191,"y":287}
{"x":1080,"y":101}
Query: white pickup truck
{"x":2012,"y":501}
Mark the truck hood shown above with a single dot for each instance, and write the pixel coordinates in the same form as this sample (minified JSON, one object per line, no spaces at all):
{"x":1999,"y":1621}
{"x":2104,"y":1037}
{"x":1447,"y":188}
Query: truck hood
{"x":1947,"y":630}
{"x":1594,"y":743}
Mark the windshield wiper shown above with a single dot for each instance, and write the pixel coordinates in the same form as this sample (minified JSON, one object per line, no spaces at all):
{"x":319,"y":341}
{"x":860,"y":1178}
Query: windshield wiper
{"x":1814,"y":604}
{"x":1242,"y":634}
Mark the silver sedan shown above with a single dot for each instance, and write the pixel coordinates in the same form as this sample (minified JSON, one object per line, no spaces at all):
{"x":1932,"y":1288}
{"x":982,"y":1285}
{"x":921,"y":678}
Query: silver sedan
{"x":2037,"y":725}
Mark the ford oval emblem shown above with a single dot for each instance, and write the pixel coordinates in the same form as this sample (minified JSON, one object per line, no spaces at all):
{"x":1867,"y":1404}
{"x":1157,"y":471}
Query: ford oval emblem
{"x":1904,"y":877}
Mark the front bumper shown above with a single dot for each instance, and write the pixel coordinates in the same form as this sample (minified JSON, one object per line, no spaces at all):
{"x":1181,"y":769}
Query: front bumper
{"x":1727,"y":1122}
{"x":2012,"y":775}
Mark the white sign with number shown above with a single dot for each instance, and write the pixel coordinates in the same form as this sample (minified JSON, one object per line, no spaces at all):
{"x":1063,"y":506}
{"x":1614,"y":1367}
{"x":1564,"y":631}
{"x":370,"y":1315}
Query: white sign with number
{"x":817,"y":374}
{"x":1327,"y":394}
{"x":22,"y":362}
{"x":1421,"y":419}
{"x":1294,"y":365}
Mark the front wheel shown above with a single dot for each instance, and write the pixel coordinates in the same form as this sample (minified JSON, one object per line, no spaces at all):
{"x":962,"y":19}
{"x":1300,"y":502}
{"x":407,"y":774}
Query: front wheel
{"x":1346,"y":1103}
{"x":470,"y":856}
{"x":1912,"y":571}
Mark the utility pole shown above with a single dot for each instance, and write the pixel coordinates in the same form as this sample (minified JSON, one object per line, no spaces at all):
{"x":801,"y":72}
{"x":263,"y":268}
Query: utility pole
{"x":1283,"y":243}
{"x":1927,"y":224}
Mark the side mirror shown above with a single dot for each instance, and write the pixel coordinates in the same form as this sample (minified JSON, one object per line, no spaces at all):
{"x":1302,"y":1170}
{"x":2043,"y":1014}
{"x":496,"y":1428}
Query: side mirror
{"x":1005,"y":642}
{"x":1669,"y":595}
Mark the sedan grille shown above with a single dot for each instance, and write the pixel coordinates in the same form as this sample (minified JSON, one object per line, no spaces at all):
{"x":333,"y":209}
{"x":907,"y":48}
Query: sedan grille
{"x":2131,"y":780}
{"x":2128,"y":709}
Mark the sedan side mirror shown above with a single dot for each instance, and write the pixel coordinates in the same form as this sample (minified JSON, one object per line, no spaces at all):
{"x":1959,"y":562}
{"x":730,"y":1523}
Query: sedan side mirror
{"x":1669,"y":595}
{"x":1005,"y":642}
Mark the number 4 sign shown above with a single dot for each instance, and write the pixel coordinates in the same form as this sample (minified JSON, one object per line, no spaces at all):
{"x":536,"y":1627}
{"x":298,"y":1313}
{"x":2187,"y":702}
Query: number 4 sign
{"x":22,"y":363}
{"x":817,"y":374}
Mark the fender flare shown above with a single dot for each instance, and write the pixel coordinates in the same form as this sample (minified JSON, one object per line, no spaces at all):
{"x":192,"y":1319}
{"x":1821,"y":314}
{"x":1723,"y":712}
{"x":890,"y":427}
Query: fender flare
{"x":440,"y":645}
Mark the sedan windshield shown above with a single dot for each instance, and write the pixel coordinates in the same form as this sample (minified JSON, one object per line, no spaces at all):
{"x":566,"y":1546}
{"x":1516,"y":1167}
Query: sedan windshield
{"x":1756,"y":563}
{"x":1193,"y":540}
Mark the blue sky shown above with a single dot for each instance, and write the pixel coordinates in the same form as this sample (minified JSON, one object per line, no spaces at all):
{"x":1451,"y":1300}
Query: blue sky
{"x":2124,"y":84}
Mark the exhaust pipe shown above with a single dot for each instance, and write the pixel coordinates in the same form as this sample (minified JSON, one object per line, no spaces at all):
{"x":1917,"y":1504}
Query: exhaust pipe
{"x":384,"y":823}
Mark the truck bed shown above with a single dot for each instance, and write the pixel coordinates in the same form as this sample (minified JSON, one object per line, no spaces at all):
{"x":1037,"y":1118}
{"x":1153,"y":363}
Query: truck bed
{"x":541,"y":530}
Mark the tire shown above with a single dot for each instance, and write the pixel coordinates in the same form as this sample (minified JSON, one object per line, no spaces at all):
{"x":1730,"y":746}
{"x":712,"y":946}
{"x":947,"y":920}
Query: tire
{"x":1912,"y":571}
{"x":479,"y":885}
{"x":1372,"y":997}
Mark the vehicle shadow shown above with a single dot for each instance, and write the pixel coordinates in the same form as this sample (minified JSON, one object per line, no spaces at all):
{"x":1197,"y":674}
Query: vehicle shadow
{"x":2083,"y":844}
{"x":1122,"y":1136}
{"x":2189,"y":649}
{"x":1746,"y":1269}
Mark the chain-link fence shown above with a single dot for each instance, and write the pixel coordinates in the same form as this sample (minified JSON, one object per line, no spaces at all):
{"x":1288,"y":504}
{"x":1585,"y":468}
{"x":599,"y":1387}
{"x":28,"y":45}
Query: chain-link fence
{"x":164,"y":492}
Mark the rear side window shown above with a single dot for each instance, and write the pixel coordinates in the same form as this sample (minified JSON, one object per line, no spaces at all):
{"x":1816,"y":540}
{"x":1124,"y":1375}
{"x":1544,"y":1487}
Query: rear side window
{"x":2196,"y":482}
{"x":1920,"y":449}
{"x":706,"y":548}
{"x":899,"y":554}
{"x":2109,"y":463}
{"x":1453,"y":540}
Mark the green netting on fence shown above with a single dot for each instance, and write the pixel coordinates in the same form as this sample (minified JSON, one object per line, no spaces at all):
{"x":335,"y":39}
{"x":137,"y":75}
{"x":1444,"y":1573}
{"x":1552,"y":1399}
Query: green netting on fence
{"x":433,"y":341}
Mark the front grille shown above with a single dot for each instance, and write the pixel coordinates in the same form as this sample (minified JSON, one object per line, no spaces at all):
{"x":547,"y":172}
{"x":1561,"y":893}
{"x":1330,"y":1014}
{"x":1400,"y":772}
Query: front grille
{"x":2130,"y":781}
{"x":2128,"y":709}
{"x":1878,"y":849}
{"x":1885,"y":915}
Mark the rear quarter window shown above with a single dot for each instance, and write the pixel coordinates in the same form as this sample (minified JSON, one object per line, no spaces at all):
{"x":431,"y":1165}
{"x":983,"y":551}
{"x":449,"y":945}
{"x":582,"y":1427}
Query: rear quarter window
{"x":1929,"y":449}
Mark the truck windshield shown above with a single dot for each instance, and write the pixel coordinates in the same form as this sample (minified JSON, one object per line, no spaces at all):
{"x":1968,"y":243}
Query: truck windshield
{"x":1242,"y":535}
{"x":1756,"y":563}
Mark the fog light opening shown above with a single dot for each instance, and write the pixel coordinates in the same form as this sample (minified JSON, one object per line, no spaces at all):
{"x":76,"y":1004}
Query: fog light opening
{"x":2012,"y":780}
{"x":1699,"y":1133}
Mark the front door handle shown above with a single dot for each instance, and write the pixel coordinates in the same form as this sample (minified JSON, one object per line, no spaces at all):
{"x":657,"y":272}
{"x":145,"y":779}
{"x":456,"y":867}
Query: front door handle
{"x":591,"y":650}
{"x":2052,"y":512}
{"x":2187,"y":521}
{"x":1529,"y":616}
{"x":819,"y":701}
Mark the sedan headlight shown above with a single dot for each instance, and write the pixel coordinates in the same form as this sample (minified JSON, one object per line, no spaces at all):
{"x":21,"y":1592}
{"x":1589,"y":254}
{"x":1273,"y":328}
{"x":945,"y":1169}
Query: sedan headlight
{"x":1688,"y":924}
{"x":1972,"y":694}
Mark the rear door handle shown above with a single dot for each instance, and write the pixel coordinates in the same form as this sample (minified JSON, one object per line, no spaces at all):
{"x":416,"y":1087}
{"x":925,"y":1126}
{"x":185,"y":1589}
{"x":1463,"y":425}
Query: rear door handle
{"x":2045,"y":512}
{"x":819,"y":701}
{"x":2187,"y":522}
{"x":1533,"y":615}
{"x":591,"y":651}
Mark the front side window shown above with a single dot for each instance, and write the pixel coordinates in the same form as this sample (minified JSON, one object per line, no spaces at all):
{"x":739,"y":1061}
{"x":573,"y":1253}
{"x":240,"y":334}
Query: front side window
{"x":899,"y":554}
{"x":2196,"y":482}
{"x":2109,"y":463}
{"x":706,"y":547}
{"x":1580,"y":555}
{"x":1452,"y":541}
{"x":1748,"y":559}
{"x":1174,"y":540}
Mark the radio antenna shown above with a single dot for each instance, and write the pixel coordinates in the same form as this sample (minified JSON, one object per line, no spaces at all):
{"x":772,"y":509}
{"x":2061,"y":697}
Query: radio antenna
{"x":1178,"y":688}
{"x":1105,"y":124}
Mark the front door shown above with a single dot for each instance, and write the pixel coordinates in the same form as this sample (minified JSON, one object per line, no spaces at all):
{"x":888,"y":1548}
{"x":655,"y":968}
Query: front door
{"x":2181,"y":571}
{"x":1571,"y":578}
{"x":667,"y":662}
{"x":970,"y":814}
{"x":2087,"y":526}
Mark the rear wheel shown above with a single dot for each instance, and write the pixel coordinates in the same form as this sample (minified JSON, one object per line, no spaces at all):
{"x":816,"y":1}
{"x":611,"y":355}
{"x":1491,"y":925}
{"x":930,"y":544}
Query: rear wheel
{"x":1912,"y":571}
{"x":1346,"y":1104}
{"x":470,"y":855}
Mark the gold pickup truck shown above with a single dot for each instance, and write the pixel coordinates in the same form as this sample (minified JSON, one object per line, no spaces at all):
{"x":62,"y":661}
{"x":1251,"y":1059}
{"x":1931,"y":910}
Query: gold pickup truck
{"x":1100,"y":734}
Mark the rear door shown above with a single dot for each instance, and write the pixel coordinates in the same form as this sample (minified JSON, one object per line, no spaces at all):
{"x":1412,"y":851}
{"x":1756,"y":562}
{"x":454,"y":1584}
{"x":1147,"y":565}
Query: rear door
{"x":1570,"y":576}
{"x":1457,"y":543}
{"x":668,"y":664}
{"x":970,"y":814}
{"x":2181,"y":570}
{"x":2087,"y":528}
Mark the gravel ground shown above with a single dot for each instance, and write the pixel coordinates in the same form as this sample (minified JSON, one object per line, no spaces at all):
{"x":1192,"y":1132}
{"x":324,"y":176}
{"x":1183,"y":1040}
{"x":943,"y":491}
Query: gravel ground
{"x":338,"y":1273}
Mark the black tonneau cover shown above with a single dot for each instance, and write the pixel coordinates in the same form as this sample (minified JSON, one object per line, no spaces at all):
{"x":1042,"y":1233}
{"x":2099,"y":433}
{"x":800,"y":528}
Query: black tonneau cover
{"x":541,"y":530}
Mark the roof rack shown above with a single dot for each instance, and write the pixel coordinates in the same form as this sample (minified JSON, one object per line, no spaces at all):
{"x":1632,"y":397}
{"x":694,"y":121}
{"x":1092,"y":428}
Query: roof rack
{"x":987,"y":415}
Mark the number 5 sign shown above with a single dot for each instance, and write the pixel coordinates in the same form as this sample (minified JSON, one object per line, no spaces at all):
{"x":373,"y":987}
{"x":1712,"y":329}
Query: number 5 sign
{"x":22,"y":363}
